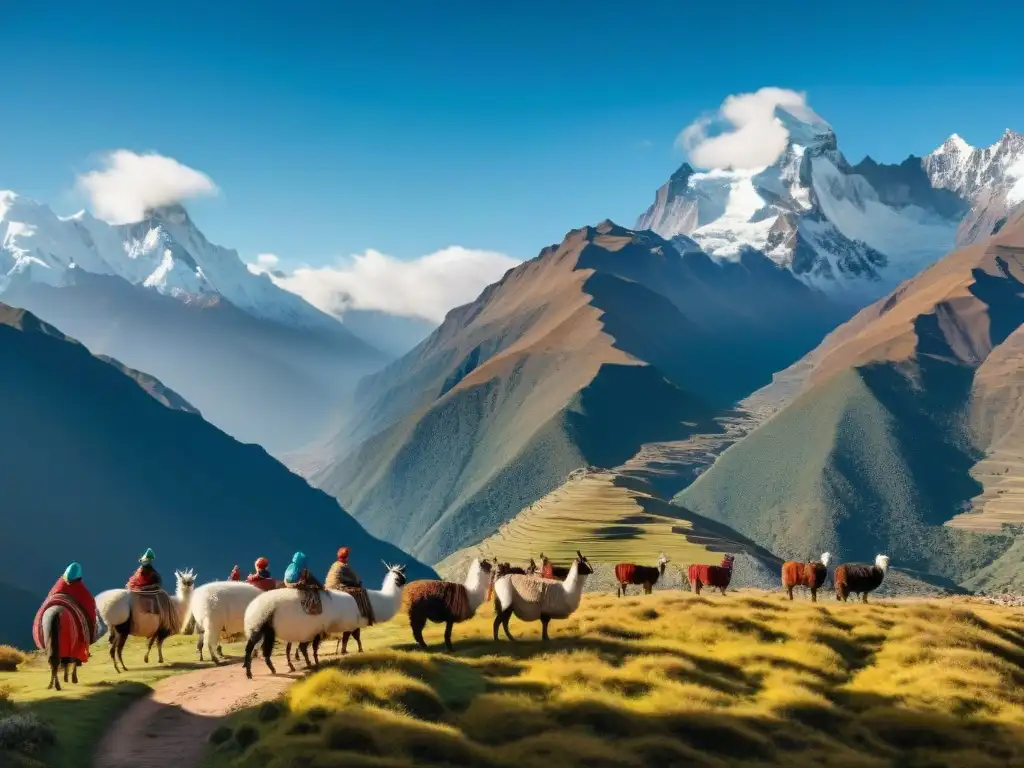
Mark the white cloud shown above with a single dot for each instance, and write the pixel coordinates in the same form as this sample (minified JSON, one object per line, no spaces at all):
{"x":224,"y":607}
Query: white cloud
{"x":129,"y":183}
{"x":426,"y":287}
{"x":747,"y":134}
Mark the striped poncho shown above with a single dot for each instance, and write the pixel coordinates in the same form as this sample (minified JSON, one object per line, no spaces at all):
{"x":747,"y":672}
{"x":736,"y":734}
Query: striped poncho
{"x":78,"y":627}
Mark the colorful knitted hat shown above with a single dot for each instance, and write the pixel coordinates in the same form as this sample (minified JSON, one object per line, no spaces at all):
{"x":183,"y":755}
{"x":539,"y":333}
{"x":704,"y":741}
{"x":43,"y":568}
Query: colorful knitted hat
{"x":262,"y":564}
{"x":73,"y":573}
{"x":148,"y":557}
{"x":343,"y":555}
{"x":299,"y":558}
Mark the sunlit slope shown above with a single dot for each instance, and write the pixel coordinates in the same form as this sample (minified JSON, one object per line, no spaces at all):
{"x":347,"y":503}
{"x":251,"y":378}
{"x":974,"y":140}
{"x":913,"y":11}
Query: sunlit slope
{"x":611,"y":519}
{"x":607,"y":342}
{"x":910,"y":411}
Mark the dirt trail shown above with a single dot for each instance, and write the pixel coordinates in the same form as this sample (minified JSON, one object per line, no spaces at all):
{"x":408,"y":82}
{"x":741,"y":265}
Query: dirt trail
{"x":171,"y":725}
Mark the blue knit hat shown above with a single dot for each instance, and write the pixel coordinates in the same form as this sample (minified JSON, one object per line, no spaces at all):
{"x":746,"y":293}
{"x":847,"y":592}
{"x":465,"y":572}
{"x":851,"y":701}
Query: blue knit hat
{"x":73,"y":572}
{"x":299,"y":558}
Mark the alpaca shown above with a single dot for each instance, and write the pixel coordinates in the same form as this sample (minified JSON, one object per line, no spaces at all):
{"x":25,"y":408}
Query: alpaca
{"x":446,"y":602}
{"x":811,"y":575}
{"x":278,"y":614}
{"x":711,"y":575}
{"x":115,"y":608}
{"x":219,"y":608}
{"x":532,"y":598}
{"x":857,"y":578}
{"x":645,"y":575}
{"x":551,"y":571}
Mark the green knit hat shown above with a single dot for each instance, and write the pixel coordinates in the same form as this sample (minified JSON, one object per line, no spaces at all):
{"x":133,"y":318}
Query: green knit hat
{"x":148,"y":557}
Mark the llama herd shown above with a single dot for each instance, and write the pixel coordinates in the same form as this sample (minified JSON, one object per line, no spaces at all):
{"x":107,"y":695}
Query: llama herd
{"x":531,"y":594}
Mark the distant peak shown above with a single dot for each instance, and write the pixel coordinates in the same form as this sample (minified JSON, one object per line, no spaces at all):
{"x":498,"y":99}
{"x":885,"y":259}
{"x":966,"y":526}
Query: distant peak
{"x":805,"y":126}
{"x":683,"y":173}
{"x":954,"y":144}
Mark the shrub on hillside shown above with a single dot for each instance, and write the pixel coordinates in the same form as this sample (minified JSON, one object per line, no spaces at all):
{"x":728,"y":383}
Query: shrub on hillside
{"x":25,"y":733}
{"x":10,"y":658}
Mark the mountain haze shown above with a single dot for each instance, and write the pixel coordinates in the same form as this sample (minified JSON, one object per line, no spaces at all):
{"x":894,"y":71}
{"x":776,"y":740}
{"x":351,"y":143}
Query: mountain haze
{"x":259,"y":362}
{"x":610,"y":340}
{"x":100,"y":462}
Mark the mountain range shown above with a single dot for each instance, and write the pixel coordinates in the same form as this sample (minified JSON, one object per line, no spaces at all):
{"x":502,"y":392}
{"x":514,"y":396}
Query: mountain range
{"x":259,"y":362}
{"x":852,"y":231}
{"x":100,"y":461}
{"x":902,"y":432}
{"x":600,"y":344}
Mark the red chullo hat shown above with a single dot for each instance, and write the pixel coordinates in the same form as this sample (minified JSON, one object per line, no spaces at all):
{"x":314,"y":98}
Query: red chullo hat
{"x":262,"y":563}
{"x":343,"y":554}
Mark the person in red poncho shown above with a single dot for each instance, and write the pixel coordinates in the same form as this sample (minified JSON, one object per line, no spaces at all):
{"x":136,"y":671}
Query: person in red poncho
{"x":146,"y":578}
{"x":77,"y":619}
{"x":262,"y":577}
{"x":236,"y":574}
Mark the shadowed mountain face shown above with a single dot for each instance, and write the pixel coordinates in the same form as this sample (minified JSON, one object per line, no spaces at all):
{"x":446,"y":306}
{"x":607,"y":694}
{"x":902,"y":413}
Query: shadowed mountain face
{"x":605,"y":342}
{"x":100,"y":462}
{"x":893,"y":441}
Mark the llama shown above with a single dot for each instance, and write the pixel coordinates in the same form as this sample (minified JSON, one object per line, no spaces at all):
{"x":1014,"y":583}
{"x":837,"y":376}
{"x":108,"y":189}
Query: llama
{"x":62,"y":631}
{"x":115,"y":607}
{"x":645,"y":575}
{"x":278,"y":614}
{"x":857,"y":578}
{"x":219,"y":608}
{"x":532,"y":598}
{"x":447,"y":602}
{"x":551,"y":571}
{"x":711,"y":575}
{"x":811,"y":575}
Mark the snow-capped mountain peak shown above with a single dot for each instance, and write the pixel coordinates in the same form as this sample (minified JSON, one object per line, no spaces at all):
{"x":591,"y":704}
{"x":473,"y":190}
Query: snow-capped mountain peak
{"x":845,"y":229}
{"x":164,"y":252}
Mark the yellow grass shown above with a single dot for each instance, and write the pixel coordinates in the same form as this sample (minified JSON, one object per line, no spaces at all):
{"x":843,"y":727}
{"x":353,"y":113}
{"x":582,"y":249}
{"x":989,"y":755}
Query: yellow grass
{"x":10,"y":658}
{"x":669,"y":679}
{"x":612,"y":519}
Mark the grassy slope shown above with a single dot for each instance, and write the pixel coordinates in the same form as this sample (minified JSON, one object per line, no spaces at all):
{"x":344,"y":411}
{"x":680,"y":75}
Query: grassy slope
{"x":611,"y":519}
{"x":748,"y":680}
{"x":81,"y":713}
{"x":840,"y":473}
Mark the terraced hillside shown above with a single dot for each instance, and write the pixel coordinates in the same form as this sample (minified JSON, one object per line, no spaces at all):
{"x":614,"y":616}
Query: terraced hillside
{"x":611,"y":518}
{"x":906,"y":417}
{"x":611,"y":341}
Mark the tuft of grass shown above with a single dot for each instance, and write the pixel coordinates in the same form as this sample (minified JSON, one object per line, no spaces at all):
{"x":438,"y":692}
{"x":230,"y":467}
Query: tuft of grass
{"x":10,"y":658}
{"x":672,"y":679}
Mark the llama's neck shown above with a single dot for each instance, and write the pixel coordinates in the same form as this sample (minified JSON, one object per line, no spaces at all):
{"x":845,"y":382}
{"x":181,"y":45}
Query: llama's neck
{"x":477,"y":584}
{"x":386,"y":602}
{"x":181,"y":599}
{"x":574,"y":581}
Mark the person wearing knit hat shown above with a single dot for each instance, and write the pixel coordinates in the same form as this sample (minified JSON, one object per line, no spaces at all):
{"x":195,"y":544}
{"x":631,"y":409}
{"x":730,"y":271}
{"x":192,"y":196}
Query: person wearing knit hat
{"x":262,"y":578}
{"x":146,"y":578}
{"x":76,"y":627}
{"x":342,"y":574}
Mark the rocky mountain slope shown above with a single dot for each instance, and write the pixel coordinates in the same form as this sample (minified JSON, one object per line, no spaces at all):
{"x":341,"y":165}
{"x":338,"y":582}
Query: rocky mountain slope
{"x":159,"y":296}
{"x":854,"y":231}
{"x":901,"y":429}
{"x":605,"y":342}
{"x":100,"y":462}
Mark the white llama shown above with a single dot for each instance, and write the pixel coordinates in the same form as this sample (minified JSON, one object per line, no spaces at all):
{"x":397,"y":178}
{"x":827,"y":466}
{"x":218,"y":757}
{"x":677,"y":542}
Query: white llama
{"x":279,"y":615}
{"x":532,"y":598}
{"x":114,"y":607}
{"x":219,"y":608}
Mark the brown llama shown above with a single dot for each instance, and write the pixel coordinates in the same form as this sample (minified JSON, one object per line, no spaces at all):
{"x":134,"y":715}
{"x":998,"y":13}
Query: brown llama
{"x":811,"y":575}
{"x":643,"y":575}
{"x":858,"y":578}
{"x":715,"y":576}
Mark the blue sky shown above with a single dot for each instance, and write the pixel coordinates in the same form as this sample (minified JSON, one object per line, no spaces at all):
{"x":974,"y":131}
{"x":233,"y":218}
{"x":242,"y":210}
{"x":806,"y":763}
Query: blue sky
{"x":405,"y":127}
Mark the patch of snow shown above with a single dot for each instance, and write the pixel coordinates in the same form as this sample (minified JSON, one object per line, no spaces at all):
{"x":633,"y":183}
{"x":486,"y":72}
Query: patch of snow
{"x":1015,"y":194}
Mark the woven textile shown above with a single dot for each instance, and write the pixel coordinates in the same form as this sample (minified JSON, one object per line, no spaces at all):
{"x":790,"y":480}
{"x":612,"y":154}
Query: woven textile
{"x":145,"y":606}
{"x":78,"y":624}
{"x":362,"y":601}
